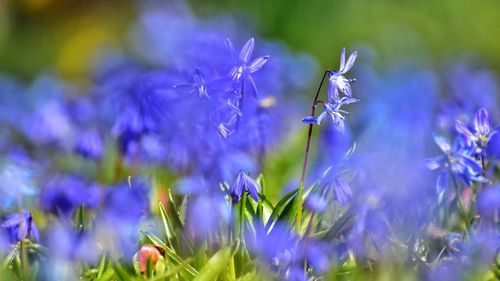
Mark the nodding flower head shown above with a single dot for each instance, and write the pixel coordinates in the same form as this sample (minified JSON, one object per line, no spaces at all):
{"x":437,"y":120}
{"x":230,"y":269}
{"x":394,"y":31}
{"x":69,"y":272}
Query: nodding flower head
{"x":244,"y":183}
{"x":333,"y":112}
{"x":338,"y":83}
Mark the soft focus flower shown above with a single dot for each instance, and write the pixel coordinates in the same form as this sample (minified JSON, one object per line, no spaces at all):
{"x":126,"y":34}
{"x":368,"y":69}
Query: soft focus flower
{"x":20,"y":226}
{"x":338,"y":83}
{"x":146,"y":253}
{"x":489,"y":201}
{"x":243,"y":67}
{"x":480,"y":134}
{"x":64,"y":194}
{"x":89,"y":145}
{"x":244,"y":183}
{"x":457,"y":160}
{"x":15,"y":182}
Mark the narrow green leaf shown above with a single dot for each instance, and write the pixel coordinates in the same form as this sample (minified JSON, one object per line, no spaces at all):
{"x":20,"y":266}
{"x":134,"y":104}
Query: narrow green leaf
{"x":166,"y":225}
{"x":215,"y":265}
{"x":279,"y":207}
{"x":120,"y":273}
{"x":341,"y":225}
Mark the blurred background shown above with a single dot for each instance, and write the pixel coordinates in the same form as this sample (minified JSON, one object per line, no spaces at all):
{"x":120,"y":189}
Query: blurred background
{"x":65,"y":35}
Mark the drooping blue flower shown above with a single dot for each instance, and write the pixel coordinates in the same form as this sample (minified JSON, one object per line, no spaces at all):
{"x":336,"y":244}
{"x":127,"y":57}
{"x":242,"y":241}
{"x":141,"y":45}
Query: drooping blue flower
{"x":333,"y":112}
{"x":241,"y":184}
{"x":20,"y":226}
{"x":64,"y":194}
{"x":243,"y":67}
{"x":458,"y":160}
{"x":338,"y":83}
{"x":89,"y":145}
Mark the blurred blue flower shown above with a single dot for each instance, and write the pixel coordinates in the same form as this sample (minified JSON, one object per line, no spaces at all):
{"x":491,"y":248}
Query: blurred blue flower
{"x":15,"y":182}
{"x":67,"y":244}
{"x":338,"y":83}
{"x":20,"y":226}
{"x":89,"y":145}
{"x":64,"y":194}
{"x":243,"y":67}
{"x":457,"y":160}
{"x":241,"y":184}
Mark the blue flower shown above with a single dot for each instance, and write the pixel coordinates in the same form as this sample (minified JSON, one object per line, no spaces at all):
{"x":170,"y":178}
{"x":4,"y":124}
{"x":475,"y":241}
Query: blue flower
{"x":243,"y":67}
{"x":333,"y":112}
{"x":15,"y":182}
{"x":338,"y":83}
{"x":199,"y":84}
{"x":89,"y":145}
{"x":457,"y":160}
{"x":20,"y":226}
{"x":66,"y":193}
{"x":244,"y":183}
{"x":480,"y":134}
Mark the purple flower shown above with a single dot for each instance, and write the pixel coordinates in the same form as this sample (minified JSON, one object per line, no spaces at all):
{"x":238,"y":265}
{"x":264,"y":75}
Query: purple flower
{"x":243,"y":67}
{"x":199,"y":84}
{"x":89,"y":145}
{"x":244,"y":183}
{"x":20,"y":226}
{"x":457,"y":160}
{"x":64,"y":194}
{"x":333,"y":112}
{"x":15,"y":181}
{"x":338,"y":83}
{"x":480,"y":133}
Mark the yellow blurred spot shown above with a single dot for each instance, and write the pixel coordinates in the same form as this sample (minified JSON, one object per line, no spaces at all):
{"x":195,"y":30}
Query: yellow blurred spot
{"x":78,"y":53}
{"x":267,"y":102}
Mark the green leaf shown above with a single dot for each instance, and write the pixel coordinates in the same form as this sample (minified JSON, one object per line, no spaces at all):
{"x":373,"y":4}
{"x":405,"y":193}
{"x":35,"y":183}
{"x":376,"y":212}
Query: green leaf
{"x":166,"y":225}
{"x":215,"y":266}
{"x":279,"y":207}
{"x":341,"y":225}
{"x":120,"y":272}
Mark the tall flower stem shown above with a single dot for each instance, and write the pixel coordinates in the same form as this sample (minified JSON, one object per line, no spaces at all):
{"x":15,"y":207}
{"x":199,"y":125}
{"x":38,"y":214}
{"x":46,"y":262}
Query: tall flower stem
{"x":461,"y":205}
{"x":306,"y":155}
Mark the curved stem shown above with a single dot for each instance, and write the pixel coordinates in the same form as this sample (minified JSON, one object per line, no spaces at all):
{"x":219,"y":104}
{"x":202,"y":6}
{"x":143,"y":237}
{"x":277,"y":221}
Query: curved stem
{"x":306,"y":155}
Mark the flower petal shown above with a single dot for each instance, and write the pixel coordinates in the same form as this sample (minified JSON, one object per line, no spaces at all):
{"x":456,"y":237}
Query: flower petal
{"x":463,"y":129}
{"x":257,"y":63}
{"x":443,"y":143}
{"x":350,"y":62}
{"x":252,"y":84}
{"x":442,"y":181}
{"x":252,"y":187}
{"x":342,"y":60}
{"x":246,"y":51}
{"x":311,"y":120}
{"x":482,"y":122}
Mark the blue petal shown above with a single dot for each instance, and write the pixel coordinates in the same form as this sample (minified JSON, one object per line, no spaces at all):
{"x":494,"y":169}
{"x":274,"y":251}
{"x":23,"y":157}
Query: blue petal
{"x":311,"y":120}
{"x":246,"y":51}
{"x":482,"y":122}
{"x":252,"y":187}
{"x":434,"y":163}
{"x":342,"y":191}
{"x":443,"y":143}
{"x":257,"y":64}
{"x":342,"y":60}
{"x":350,"y":62}
{"x":442,"y":181}
{"x":464,"y":130}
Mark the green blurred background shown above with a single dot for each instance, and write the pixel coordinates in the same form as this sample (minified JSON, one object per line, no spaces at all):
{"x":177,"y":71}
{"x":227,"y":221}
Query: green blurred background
{"x":64,"y":35}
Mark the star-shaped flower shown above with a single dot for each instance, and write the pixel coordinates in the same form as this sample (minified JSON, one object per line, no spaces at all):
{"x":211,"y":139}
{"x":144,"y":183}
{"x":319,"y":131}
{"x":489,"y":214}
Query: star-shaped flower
{"x":338,"y":83}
